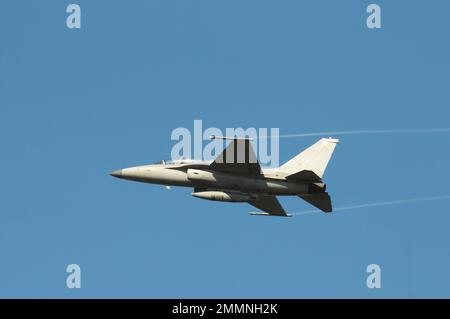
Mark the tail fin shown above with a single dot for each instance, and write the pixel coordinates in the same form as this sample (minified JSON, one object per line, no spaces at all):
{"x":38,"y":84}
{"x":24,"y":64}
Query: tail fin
{"x":312,"y":162}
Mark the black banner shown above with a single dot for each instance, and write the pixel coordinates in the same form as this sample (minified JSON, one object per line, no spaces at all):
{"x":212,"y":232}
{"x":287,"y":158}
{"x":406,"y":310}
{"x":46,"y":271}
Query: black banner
{"x":224,"y":308}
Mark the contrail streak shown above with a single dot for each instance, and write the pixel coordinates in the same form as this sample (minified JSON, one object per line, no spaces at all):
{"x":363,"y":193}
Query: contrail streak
{"x":356,"y":132}
{"x":376,"y":204}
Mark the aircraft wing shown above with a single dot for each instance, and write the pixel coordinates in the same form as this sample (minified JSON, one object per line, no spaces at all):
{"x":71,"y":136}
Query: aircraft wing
{"x":238,"y":157}
{"x":268,"y":204}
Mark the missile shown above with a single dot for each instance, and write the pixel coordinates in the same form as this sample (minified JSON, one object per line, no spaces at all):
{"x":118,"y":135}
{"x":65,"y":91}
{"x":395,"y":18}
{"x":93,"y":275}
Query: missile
{"x":259,"y":214}
{"x":266,"y":214}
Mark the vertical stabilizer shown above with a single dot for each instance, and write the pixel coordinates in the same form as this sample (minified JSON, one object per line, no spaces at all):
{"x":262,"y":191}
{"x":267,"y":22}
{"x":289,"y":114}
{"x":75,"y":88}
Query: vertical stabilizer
{"x":314,"y":159}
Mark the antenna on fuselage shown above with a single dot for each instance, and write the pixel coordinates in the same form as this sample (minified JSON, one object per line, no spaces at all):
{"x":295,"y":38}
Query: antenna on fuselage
{"x":214,"y":137}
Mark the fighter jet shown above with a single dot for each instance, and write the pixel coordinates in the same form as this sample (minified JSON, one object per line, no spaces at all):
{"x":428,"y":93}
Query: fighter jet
{"x":236,"y":176}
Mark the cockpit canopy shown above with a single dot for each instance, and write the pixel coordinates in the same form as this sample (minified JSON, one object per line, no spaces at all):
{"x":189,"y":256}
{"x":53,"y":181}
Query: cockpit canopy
{"x":179,"y":161}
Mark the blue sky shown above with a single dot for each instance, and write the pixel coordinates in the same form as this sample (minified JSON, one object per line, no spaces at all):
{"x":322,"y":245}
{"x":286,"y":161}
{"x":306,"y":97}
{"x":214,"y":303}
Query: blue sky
{"x":77,"y":104}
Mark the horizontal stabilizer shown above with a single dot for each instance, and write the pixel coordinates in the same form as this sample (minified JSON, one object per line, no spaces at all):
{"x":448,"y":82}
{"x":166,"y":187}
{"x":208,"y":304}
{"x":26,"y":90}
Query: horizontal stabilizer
{"x":305,"y":175}
{"x":322,"y":201}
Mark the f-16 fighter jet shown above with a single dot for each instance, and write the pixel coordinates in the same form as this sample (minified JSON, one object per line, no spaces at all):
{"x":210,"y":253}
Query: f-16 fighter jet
{"x":236,"y":176}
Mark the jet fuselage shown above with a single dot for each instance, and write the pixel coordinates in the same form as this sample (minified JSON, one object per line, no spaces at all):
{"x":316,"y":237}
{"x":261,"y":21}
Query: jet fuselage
{"x":199,"y":176}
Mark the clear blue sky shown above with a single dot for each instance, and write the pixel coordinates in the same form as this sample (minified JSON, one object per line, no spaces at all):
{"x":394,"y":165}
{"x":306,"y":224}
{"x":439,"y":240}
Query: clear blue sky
{"x":77,"y":104}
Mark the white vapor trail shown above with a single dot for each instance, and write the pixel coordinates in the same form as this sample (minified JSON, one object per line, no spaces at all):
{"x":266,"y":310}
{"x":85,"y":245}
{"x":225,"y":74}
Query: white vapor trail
{"x":376,"y":204}
{"x":356,"y":132}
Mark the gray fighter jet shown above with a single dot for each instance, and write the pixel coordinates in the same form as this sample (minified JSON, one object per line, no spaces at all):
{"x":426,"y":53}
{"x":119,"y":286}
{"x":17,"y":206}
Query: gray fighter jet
{"x":236,"y":176}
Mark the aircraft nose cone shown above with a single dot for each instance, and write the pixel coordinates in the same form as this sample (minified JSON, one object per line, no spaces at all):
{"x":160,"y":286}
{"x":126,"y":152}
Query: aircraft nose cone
{"x":117,"y":173}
